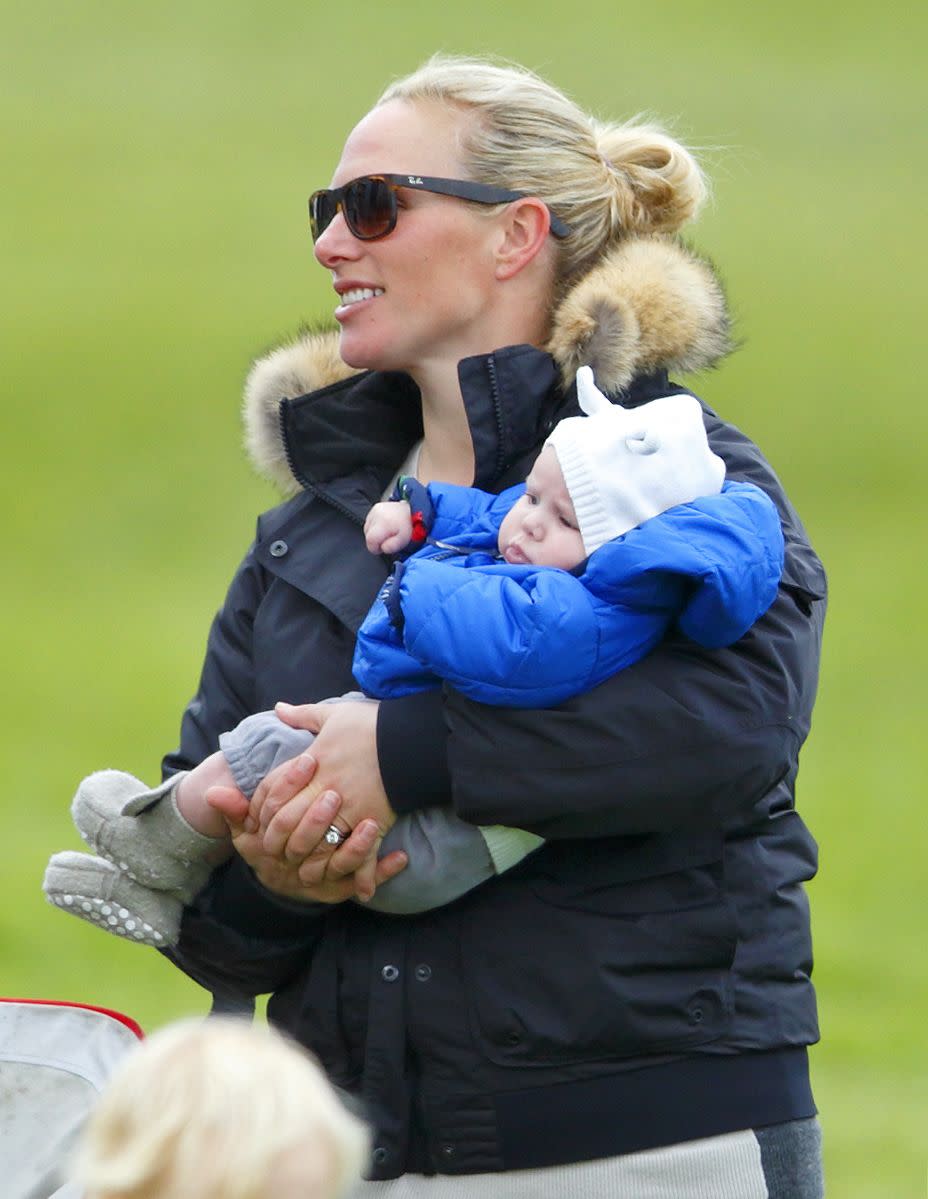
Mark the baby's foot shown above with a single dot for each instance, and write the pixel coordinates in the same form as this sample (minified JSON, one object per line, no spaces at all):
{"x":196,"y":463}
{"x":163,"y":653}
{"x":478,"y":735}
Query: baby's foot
{"x":141,"y":831}
{"x":96,"y":891}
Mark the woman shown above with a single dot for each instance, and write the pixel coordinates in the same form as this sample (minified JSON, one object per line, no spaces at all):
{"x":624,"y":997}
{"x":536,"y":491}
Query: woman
{"x":628,"y":1010}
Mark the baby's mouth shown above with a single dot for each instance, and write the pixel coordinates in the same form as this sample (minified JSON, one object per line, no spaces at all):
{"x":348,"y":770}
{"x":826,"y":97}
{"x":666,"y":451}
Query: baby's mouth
{"x":515,"y":555}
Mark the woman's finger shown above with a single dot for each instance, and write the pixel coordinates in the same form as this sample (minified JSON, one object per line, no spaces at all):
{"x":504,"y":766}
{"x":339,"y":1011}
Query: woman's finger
{"x":365,"y":877}
{"x":280,"y":786}
{"x":278,"y":833}
{"x":383,"y":870}
{"x":390,"y":866}
{"x":301,"y":830}
{"x":310,"y":717}
{"x":357,"y":853}
{"x":345,"y":860}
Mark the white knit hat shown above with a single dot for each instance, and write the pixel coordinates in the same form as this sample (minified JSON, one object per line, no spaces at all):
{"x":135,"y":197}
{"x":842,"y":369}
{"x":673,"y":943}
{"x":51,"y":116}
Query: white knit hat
{"x":622,"y":466}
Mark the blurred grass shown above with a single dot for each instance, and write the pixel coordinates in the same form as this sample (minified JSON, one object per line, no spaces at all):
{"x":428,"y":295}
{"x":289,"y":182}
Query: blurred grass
{"x":152,"y":235}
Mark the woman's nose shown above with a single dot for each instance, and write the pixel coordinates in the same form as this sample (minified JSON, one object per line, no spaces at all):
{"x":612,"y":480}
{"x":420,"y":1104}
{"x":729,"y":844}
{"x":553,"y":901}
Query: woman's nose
{"x":335,"y":243}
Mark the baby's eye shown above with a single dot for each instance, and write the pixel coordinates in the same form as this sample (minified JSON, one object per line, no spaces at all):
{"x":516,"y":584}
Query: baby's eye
{"x":568,"y":523}
{"x":532,"y":499}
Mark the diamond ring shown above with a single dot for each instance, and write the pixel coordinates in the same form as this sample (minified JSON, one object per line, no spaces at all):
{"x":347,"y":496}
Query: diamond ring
{"x":334,"y":835}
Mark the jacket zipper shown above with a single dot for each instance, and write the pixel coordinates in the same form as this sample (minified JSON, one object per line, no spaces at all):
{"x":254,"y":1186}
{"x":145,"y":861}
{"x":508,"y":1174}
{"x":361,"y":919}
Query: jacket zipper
{"x":497,"y":414}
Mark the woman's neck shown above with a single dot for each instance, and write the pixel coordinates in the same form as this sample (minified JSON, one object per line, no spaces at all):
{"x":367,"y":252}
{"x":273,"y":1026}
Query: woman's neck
{"x":447,"y":448}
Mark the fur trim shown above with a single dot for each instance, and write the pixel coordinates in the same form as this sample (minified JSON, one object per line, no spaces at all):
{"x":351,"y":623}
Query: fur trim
{"x":650,"y":304}
{"x":308,"y":362}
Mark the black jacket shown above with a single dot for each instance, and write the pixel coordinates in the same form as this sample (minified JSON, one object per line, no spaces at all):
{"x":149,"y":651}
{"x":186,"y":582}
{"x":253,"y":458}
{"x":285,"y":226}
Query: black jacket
{"x":641,"y":979}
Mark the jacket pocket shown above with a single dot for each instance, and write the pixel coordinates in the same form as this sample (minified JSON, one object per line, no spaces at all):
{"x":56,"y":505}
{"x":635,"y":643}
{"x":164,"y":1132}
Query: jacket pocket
{"x":561,"y":972}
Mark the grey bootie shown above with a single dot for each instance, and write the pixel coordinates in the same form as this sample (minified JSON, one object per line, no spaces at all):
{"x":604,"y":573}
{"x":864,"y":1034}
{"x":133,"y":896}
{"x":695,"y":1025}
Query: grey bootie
{"x":97,"y":891}
{"x":142,"y":832}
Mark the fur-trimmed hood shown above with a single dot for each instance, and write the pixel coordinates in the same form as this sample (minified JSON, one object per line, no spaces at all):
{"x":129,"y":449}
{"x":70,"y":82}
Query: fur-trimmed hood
{"x":650,"y":305}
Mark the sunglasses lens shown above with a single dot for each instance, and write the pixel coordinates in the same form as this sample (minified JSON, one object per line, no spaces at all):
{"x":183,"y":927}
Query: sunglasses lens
{"x":370,"y":208}
{"x":323,"y":206}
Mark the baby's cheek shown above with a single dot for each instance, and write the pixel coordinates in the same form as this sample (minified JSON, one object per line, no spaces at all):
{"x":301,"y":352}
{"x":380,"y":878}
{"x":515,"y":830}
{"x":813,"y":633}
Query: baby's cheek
{"x":509,"y":526}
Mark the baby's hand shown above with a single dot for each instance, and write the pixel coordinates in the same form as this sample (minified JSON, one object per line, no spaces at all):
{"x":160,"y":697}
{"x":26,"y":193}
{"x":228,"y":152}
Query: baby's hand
{"x":388,"y":528}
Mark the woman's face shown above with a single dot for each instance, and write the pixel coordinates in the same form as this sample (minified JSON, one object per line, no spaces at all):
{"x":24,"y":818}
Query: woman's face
{"x":424,"y":293}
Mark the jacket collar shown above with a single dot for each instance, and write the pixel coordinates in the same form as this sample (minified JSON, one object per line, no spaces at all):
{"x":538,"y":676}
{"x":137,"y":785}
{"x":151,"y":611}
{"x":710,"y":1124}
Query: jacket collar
{"x":650,"y":307}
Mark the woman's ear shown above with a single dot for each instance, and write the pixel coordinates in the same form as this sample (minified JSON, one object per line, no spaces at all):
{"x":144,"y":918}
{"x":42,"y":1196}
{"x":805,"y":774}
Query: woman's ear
{"x":524,"y":234}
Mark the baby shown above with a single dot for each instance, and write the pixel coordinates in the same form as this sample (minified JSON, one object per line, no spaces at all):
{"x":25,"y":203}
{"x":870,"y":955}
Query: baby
{"x":623,"y":529}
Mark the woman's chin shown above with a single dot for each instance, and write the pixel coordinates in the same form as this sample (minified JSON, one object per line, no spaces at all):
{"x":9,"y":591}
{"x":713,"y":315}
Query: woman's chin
{"x":352,"y":355}
{"x":361,"y":353}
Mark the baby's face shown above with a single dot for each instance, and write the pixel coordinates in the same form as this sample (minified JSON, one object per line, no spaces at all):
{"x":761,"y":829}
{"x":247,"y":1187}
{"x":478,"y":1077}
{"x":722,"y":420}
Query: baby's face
{"x":541,"y":529}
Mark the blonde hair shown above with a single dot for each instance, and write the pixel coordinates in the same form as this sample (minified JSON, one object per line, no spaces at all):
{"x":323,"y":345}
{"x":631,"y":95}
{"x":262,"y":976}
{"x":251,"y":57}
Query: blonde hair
{"x":606,"y":182}
{"x":220,"y":1109}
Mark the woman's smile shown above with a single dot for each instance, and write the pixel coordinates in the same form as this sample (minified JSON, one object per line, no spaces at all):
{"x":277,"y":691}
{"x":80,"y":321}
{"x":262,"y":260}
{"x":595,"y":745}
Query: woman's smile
{"x":360,"y":293}
{"x":352,"y":294}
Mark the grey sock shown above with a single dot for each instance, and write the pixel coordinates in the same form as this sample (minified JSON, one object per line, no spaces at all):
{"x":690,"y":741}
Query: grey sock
{"x":142,"y":832}
{"x":95,"y":890}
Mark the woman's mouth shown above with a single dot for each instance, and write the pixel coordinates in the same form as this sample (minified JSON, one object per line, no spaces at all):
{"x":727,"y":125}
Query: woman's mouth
{"x":356,"y":294}
{"x":352,"y":297}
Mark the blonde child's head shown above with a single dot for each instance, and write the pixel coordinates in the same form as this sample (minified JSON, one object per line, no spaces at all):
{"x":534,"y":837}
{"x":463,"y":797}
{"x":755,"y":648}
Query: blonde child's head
{"x":219,"y":1109}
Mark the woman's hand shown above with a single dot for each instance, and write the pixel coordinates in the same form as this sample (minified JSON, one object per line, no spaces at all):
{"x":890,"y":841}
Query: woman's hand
{"x":345,"y":754}
{"x":307,"y":868}
{"x":344,"y":760}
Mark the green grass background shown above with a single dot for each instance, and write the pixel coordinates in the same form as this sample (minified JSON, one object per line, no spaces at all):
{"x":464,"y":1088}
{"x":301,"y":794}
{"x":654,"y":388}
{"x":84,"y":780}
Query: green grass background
{"x":156,"y":160}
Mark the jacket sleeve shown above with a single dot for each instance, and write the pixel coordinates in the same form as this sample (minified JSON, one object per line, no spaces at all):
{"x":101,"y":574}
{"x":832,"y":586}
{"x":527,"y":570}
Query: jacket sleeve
{"x":237,"y":939}
{"x":225,"y":694}
{"x":469,"y":514}
{"x":743,"y":555}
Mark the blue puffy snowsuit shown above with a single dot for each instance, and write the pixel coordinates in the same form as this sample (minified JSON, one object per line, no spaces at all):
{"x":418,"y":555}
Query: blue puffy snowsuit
{"x":527,"y":636}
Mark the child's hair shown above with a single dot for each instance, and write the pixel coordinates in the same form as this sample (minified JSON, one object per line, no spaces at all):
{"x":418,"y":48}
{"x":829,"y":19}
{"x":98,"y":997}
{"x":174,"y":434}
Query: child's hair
{"x":219,"y":1109}
{"x":605,"y":181}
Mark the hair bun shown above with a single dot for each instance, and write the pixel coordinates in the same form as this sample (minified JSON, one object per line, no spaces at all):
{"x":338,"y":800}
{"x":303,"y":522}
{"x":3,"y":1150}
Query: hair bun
{"x":658,"y":183}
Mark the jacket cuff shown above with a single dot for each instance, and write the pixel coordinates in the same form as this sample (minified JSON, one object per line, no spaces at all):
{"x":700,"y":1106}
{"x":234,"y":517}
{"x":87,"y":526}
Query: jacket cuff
{"x":412,"y":742}
{"x":241,"y":901}
{"x":421,"y":509}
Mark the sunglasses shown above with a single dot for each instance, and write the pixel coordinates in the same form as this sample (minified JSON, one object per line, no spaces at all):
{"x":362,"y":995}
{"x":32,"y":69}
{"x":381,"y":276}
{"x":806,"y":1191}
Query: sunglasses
{"x":369,"y":207}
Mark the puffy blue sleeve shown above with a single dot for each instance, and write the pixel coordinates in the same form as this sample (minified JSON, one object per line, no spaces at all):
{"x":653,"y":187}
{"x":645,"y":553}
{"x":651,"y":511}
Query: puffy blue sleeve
{"x":743,"y":567}
{"x":728,"y":548}
{"x":521,"y":636}
{"x":467,"y":515}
